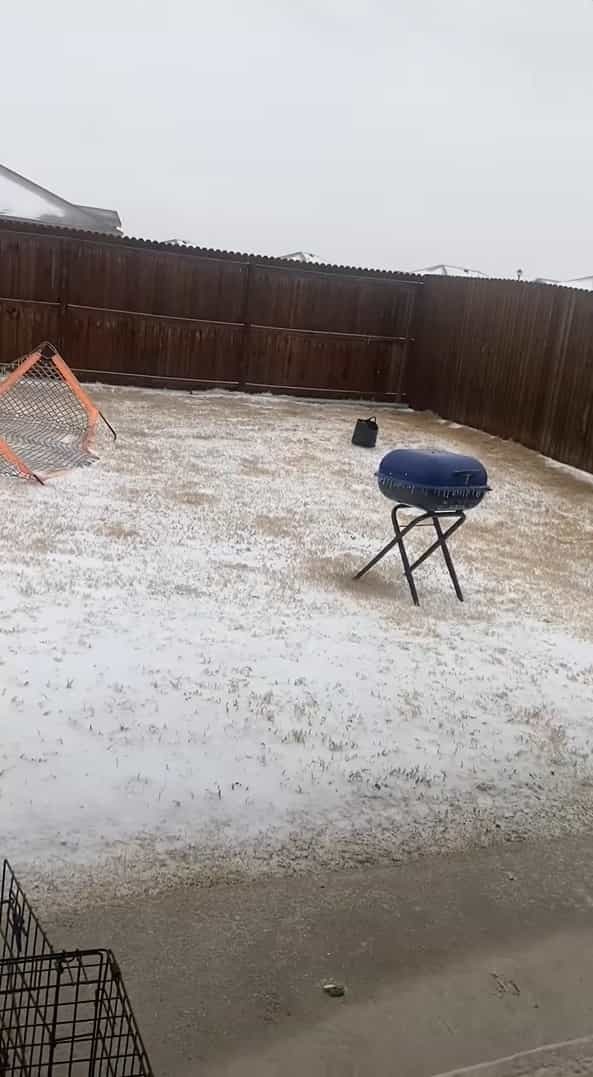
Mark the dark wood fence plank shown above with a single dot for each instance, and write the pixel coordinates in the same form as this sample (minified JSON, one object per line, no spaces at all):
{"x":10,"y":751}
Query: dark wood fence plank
{"x":153,"y":313}
{"x":514,"y":359}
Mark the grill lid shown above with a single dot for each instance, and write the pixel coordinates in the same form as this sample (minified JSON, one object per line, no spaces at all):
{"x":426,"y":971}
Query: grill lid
{"x":432,"y":479}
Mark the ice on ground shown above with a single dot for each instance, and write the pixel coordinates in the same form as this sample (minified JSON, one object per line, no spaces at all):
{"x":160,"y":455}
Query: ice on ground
{"x":191,"y":679}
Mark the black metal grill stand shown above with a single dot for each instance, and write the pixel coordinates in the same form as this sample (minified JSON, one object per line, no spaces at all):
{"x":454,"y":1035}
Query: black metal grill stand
{"x":440,"y":543}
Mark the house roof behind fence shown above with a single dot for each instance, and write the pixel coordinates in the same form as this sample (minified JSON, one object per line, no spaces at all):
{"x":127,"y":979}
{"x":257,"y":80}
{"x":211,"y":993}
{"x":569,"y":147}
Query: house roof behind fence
{"x":30,"y":202}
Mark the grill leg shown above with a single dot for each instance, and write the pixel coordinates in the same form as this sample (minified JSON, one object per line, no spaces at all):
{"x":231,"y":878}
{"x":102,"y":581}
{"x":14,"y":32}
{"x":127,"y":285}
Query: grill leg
{"x":441,"y":542}
{"x":399,"y":537}
{"x":448,"y":559}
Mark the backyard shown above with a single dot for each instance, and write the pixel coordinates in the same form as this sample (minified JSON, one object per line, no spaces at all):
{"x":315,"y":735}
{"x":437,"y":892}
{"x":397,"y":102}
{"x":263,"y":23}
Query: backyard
{"x":194,"y":686}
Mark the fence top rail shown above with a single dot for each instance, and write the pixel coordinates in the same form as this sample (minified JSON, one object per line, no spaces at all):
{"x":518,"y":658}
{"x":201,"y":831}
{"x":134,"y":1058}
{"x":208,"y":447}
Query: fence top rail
{"x":259,"y":261}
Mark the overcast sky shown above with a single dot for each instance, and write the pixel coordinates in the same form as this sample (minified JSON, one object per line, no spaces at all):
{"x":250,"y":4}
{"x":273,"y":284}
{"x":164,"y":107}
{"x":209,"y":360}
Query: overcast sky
{"x":391,"y":133}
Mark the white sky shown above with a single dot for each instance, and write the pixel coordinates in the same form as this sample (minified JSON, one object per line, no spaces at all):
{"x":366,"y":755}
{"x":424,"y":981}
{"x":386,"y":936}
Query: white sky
{"x":394,"y":133}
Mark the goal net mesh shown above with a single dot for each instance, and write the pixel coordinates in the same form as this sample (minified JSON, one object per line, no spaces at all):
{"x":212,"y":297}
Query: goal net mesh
{"x":47,"y":421}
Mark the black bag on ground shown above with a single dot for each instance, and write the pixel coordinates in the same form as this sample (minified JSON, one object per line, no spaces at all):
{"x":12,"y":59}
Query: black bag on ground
{"x":365,"y":433}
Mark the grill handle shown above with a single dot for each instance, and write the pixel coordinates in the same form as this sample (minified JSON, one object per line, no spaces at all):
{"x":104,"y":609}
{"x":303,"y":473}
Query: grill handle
{"x":467,"y":471}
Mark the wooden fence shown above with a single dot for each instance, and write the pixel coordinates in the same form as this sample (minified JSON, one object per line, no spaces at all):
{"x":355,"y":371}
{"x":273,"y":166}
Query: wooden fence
{"x":511,"y":358}
{"x":149,"y":313}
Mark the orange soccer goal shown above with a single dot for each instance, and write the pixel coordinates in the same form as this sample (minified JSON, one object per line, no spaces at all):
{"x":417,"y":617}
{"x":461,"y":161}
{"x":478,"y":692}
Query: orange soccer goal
{"x":47,"y":421}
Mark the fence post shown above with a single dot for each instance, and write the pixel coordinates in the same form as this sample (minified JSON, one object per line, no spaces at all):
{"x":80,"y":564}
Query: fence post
{"x":245,"y":320}
{"x":413,"y":379}
{"x":63,"y":296}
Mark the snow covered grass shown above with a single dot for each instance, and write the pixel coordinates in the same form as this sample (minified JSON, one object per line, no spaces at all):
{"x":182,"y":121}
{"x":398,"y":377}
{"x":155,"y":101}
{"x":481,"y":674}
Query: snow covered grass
{"x":192,"y":682}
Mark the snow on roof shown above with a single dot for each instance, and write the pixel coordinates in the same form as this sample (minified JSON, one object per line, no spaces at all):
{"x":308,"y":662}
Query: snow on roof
{"x":444,"y":270}
{"x":585,"y":284}
{"x":302,"y":256}
{"x":22,"y":199}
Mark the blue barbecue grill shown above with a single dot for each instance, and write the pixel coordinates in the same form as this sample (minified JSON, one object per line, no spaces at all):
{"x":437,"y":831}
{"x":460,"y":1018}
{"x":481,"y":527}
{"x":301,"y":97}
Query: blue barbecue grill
{"x":444,"y":485}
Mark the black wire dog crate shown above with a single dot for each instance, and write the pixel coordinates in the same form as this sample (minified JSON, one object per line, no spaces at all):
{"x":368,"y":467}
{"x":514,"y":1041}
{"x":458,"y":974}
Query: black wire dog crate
{"x":61,"y":1013}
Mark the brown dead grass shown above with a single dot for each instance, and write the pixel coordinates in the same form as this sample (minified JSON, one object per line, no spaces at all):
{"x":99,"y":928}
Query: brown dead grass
{"x":120,"y":531}
{"x":275,"y":526}
{"x":251,"y":466}
{"x":338,"y":573}
{"x":195,"y":498}
{"x":532,"y":542}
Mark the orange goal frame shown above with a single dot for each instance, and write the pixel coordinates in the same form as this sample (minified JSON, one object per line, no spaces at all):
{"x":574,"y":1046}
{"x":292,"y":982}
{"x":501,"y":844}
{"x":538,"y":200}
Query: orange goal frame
{"x":47,"y":354}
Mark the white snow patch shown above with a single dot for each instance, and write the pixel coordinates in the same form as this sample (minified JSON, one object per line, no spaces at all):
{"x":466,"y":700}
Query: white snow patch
{"x":187,"y":663}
